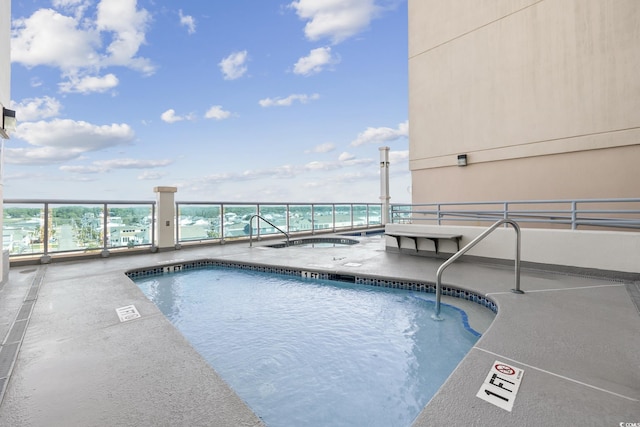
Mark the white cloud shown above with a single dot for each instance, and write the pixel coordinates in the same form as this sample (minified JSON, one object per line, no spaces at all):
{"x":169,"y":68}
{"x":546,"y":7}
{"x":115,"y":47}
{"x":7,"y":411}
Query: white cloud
{"x":288,"y":101}
{"x":31,"y":109}
{"x":89,"y":84}
{"x":315,"y":61}
{"x":336,"y":20}
{"x":127,"y":26}
{"x":77,"y":7}
{"x":321,"y":166}
{"x":151,"y":175}
{"x":170,"y":116}
{"x":188,"y":21}
{"x":398,"y":156}
{"x":102,"y":166}
{"x":322,"y":148}
{"x":60,"y":140}
{"x":234,"y":66}
{"x":346,"y":157}
{"x":381,"y":135}
{"x":216,"y":112}
{"x":50,"y":38}
{"x":74,"y":44}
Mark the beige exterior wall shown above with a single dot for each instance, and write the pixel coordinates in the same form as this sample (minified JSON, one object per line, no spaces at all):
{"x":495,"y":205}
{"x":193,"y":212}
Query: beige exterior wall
{"x":5,"y":98}
{"x":5,"y":58}
{"x":543,"y":97}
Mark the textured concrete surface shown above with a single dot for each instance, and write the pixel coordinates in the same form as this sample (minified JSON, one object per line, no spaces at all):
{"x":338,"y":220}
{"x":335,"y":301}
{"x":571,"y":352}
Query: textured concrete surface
{"x":576,"y":338}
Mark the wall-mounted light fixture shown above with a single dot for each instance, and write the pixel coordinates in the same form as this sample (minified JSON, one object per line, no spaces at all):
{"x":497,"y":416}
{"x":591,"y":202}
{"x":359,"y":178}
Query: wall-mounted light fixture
{"x":462,"y":160}
{"x":8,"y":121}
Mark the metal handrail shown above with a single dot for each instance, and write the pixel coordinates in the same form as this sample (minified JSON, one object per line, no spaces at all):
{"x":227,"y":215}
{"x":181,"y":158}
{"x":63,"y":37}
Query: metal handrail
{"x":268,"y":222}
{"x":447,"y":263}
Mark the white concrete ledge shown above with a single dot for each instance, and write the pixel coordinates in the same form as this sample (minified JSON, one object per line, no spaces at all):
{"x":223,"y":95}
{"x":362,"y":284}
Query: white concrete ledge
{"x":601,"y":250}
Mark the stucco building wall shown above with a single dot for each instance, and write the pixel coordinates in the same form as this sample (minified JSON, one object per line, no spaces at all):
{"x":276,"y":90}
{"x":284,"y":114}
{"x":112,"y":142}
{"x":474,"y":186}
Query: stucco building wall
{"x":5,"y":98}
{"x":542,"y":96}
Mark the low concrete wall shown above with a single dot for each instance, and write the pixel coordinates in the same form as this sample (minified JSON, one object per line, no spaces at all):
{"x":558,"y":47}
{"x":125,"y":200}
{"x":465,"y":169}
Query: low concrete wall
{"x":600,"y":250}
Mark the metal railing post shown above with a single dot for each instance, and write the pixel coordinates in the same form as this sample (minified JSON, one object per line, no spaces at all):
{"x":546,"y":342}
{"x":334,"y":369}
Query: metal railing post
{"x":574,"y":215}
{"x":177,"y":223}
{"x":105,"y":229}
{"x":45,"y":236}
{"x":221,"y":222}
{"x":153,"y":227}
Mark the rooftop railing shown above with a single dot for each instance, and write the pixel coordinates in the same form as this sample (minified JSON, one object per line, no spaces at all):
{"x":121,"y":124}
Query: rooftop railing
{"x":33,"y":227}
{"x":597,"y":214}
{"x":47,"y":228}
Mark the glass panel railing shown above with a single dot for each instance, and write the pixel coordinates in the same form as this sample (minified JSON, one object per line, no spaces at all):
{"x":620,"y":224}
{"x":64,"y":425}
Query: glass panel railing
{"x":374,"y":215}
{"x":343,"y":217}
{"x":129,"y":226}
{"x":199,"y":222}
{"x":236,"y":219}
{"x":22,"y":229}
{"x":360,"y":215}
{"x":300,"y":218}
{"x":40,"y":227}
{"x":276,"y":215}
{"x":323,"y":217}
{"x":75,"y":228}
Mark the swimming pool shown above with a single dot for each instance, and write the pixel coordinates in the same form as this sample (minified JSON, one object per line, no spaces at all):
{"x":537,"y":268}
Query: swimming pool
{"x":315,"y":352}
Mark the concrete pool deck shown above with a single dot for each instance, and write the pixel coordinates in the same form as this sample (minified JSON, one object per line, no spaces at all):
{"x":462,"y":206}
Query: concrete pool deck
{"x":576,"y":338}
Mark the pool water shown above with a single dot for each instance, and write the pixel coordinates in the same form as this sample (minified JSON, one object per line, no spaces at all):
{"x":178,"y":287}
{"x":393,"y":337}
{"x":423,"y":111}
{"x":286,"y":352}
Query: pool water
{"x":304,"y":352}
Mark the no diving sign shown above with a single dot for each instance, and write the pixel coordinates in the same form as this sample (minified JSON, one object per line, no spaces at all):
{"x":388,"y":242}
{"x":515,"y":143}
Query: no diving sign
{"x":501,"y":385}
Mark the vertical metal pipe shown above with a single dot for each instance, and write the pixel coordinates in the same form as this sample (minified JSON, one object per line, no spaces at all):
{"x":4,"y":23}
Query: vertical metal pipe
{"x":105,"y":229}
{"x":351,"y":211}
{"x":221,"y":222}
{"x":45,"y":236}
{"x":384,"y":184}
{"x":333,"y":216}
{"x":258,"y":222}
{"x":313,"y":219}
{"x":574,"y":215}
{"x":287,"y":211}
{"x":153,"y":225}
{"x":177,"y":221}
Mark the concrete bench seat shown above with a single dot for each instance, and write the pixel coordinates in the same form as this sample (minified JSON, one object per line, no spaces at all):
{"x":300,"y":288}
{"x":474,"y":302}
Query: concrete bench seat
{"x":434,"y":237}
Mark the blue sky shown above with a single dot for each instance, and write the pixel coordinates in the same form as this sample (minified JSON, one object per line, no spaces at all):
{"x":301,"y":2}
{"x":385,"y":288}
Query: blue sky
{"x":243,"y":100}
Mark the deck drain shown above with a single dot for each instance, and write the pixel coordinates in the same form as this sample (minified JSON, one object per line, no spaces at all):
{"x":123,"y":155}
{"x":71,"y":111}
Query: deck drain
{"x":127,"y":313}
{"x":29,"y":270}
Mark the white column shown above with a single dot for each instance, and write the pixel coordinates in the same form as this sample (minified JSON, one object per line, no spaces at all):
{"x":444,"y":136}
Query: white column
{"x":166,"y":214}
{"x":384,"y":184}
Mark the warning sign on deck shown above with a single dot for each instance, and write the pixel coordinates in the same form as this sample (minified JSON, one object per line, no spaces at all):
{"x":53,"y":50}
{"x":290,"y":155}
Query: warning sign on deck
{"x":501,"y":385}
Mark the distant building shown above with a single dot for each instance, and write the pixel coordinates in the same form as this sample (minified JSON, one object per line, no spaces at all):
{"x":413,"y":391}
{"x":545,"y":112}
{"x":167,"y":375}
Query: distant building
{"x":542,"y":97}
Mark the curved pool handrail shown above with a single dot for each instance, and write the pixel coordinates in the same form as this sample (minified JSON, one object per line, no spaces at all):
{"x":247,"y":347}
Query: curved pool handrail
{"x":260,"y":217}
{"x":447,"y":263}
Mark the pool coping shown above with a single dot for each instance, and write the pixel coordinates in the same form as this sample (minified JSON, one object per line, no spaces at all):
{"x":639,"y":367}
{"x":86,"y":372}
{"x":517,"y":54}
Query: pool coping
{"x":563,"y":333}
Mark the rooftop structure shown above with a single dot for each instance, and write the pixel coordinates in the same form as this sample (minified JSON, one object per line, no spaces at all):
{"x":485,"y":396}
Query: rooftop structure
{"x":524,"y":100}
{"x":518,"y":101}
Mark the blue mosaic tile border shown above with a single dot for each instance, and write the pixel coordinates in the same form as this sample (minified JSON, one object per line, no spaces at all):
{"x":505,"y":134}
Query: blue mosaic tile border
{"x":360,"y":280}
